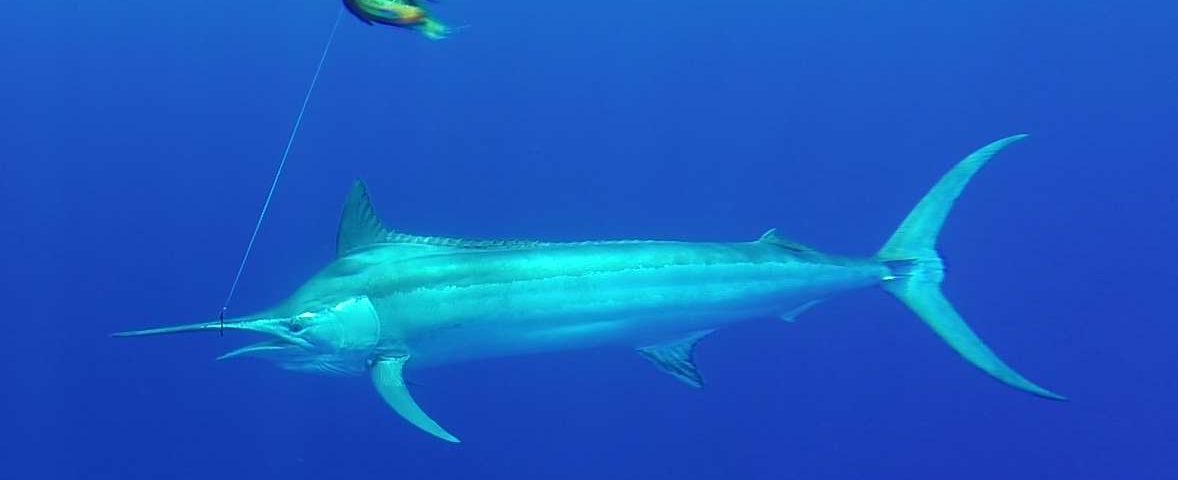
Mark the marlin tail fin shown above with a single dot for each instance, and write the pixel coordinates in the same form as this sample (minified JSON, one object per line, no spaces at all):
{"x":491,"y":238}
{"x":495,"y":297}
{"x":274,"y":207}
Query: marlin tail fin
{"x":917,"y":270}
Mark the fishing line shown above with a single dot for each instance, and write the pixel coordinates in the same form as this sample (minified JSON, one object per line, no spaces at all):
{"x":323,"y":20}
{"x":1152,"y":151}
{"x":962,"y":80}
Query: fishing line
{"x":281,"y":165}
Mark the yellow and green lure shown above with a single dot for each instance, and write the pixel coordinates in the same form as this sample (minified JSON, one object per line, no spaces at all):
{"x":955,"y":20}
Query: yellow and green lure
{"x":398,"y":13}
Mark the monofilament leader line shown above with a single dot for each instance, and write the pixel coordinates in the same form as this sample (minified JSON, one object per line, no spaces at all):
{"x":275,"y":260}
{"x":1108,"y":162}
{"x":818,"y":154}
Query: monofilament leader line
{"x":278,"y":173}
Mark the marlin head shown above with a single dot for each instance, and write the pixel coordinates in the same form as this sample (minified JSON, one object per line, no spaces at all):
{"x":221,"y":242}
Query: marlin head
{"x":330,"y":325}
{"x":337,"y":339}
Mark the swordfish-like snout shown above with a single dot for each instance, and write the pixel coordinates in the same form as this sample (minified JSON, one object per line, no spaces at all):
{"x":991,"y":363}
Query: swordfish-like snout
{"x":338,"y":338}
{"x":282,"y":340}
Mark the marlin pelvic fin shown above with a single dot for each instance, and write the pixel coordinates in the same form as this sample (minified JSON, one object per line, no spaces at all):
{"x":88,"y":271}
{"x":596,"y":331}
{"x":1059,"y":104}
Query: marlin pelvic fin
{"x":677,"y":358}
{"x":388,"y":377}
{"x":917,"y":270}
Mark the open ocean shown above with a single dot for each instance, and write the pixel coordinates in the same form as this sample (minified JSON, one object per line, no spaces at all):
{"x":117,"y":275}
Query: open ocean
{"x":139,"y":139}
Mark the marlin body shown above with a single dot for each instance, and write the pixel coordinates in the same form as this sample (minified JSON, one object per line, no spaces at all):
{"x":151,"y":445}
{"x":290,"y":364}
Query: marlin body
{"x":392,"y":301}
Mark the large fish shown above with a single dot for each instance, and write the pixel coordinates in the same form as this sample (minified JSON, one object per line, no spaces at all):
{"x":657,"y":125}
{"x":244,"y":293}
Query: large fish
{"x":392,"y":301}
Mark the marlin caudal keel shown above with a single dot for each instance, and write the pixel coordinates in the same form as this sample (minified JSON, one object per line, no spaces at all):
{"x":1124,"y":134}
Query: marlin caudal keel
{"x":392,"y":301}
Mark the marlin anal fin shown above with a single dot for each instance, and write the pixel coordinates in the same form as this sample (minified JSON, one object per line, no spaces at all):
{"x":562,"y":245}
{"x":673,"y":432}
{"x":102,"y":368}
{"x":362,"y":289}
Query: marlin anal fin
{"x":677,"y":358}
{"x":390,"y":383}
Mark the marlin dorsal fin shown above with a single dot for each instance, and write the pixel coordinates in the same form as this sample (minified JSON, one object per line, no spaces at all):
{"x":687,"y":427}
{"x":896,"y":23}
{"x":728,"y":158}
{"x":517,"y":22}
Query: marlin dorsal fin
{"x":359,"y":226}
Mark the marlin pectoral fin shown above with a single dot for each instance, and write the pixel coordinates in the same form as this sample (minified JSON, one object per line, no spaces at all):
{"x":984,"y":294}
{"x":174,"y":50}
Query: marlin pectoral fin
{"x":677,"y":358}
{"x":390,"y":382}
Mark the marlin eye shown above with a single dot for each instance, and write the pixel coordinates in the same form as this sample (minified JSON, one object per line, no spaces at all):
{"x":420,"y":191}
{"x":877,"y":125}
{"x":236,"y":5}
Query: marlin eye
{"x":298,"y":323}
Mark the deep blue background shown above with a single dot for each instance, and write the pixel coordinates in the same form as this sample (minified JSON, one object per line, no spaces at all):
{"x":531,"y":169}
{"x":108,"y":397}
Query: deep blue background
{"x":138,"y":138}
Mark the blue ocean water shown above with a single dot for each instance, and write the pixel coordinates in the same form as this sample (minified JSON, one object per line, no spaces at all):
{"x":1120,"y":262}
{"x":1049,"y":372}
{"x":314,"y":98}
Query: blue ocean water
{"x":139,"y":138}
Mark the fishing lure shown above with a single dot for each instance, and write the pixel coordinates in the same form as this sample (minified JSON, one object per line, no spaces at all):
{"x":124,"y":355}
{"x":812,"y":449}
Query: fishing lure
{"x":398,"y":13}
